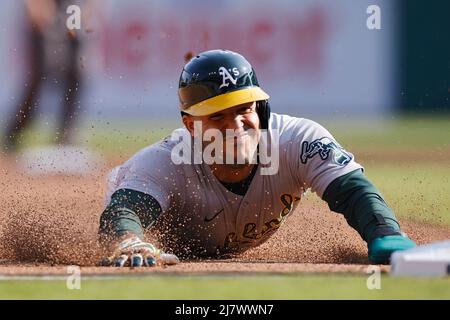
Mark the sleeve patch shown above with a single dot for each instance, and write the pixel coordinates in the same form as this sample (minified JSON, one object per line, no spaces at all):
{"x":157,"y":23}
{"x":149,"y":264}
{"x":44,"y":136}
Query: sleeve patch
{"x":323,"y":147}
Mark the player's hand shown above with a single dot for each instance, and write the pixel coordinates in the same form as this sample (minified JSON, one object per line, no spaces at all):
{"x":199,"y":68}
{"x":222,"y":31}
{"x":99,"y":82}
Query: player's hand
{"x":134,"y":252}
{"x":381,"y":248}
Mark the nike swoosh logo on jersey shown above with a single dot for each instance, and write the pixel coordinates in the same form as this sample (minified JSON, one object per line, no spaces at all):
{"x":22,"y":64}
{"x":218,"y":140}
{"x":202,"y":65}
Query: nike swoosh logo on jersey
{"x":212,"y":218}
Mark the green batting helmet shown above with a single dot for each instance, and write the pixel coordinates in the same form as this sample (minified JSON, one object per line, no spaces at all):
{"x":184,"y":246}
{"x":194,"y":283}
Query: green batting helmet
{"x":216,"y":80}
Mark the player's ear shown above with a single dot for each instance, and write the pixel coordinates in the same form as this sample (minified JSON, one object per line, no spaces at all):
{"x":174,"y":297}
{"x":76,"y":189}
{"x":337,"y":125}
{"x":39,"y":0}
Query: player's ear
{"x":188,"y":122}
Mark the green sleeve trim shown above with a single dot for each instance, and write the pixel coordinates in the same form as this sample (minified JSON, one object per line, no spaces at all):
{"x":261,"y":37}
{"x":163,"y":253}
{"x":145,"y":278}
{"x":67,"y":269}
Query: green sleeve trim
{"x":129,"y":211}
{"x":362,"y":205}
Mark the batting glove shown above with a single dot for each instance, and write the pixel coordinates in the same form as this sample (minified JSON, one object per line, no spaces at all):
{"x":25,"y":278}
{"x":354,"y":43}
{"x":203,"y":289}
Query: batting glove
{"x":381,"y":248}
{"x":137,"y":253}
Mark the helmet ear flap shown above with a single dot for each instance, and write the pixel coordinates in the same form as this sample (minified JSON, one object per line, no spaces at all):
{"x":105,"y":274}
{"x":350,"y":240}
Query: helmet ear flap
{"x":263,"y":111}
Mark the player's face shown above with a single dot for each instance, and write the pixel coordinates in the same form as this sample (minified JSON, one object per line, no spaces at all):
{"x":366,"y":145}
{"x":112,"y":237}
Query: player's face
{"x":242,"y":121}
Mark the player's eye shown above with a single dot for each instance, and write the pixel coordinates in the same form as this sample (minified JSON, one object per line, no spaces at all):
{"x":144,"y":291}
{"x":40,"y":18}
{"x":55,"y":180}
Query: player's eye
{"x":245,"y":110}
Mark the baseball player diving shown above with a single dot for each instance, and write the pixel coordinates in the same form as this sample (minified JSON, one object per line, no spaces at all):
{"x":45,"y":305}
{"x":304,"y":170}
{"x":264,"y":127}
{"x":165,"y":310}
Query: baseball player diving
{"x":229,"y":178}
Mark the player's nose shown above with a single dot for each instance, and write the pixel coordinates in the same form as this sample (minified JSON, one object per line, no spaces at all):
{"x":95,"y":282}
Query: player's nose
{"x":235,"y":122}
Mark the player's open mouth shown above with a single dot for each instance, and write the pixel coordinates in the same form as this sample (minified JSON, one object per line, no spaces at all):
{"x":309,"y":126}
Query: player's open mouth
{"x":238,"y":138}
{"x":239,"y":135}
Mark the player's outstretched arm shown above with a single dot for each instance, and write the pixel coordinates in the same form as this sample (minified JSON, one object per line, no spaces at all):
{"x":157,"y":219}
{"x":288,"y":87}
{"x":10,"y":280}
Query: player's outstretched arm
{"x":366,"y":211}
{"x":121,"y":230}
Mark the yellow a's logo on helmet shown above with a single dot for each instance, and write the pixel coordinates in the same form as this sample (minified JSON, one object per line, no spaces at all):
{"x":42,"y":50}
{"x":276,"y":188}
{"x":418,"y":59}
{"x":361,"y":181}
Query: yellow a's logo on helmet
{"x":227,"y":76}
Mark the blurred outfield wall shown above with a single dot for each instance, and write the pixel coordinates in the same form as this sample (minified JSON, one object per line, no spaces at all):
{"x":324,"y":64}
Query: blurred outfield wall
{"x":314,"y":57}
{"x":424,"y":58}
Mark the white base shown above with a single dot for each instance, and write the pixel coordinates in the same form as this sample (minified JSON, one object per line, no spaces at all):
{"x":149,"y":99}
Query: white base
{"x":59,"y":160}
{"x":427,"y":260}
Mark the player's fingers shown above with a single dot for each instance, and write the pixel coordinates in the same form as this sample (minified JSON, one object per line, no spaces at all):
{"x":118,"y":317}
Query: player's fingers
{"x":136,"y":260}
{"x":106,"y":262}
{"x":121,"y":260}
{"x":150,"y":261}
{"x":168,"y":259}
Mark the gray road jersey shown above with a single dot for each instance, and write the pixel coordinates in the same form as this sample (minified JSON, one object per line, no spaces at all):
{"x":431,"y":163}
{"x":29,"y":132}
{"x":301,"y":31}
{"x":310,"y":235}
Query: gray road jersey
{"x":201,"y":213}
